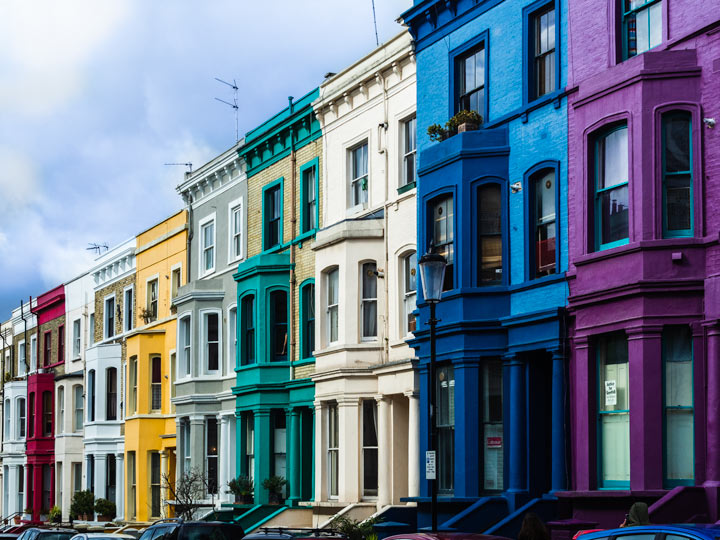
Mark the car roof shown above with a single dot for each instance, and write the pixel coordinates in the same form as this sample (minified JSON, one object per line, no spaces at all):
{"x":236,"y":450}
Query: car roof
{"x":709,"y":530}
{"x":105,"y":535}
{"x":445,"y":536}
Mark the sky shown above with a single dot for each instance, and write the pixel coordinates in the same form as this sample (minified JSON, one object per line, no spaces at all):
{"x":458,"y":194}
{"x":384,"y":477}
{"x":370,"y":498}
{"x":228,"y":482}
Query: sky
{"x":95,"y":97}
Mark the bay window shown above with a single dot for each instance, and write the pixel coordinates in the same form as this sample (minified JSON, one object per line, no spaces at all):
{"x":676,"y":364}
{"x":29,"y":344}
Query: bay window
{"x":679,"y":411}
{"x":155,"y":383}
{"x":677,"y":176}
{"x":248,"y":330}
{"x":278,"y":326}
{"x":331,"y":314}
{"x":611,"y":188}
{"x":211,"y":337}
{"x":409,"y":280}
{"x":542,"y":213}
{"x":490,"y":234}
{"x":443,"y":235}
{"x":359,"y":175}
{"x":446,"y":429}
{"x":369,"y":300}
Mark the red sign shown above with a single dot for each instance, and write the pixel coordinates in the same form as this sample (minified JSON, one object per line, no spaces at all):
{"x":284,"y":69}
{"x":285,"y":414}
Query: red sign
{"x":494,"y":442}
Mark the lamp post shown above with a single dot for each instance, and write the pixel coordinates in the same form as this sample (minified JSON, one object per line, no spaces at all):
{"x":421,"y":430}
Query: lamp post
{"x":432,"y":271}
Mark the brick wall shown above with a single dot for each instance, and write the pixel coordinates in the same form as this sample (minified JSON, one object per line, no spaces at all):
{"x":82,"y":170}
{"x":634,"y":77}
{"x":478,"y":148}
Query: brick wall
{"x":100,"y":295}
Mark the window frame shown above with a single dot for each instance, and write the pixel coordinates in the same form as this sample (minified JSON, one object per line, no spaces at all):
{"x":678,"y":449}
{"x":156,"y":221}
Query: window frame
{"x":504,"y":211}
{"x":307,"y":290}
{"x":599,"y":133}
{"x":623,"y":17}
{"x":455,"y":56}
{"x":155,"y":385}
{"x":430,"y":204}
{"x":365,"y":303}
{"x":202,"y":225}
{"x":92,"y":394}
{"x":662,"y":115}
{"x":204,"y":355}
{"x":22,"y":358}
{"x":328,"y":273}
{"x":272,"y":324}
{"x":176,"y":270}
{"x":232,"y":339}
{"x":354,"y":206}
{"x":530,"y":222}
{"x":47,"y":348}
{"x":111,"y":403}
{"x":305,"y":229}
{"x":60,"y":410}
{"x":213,"y":484}
{"x":33,"y":353}
{"x":21,"y":417}
{"x":530,"y":13}
{"x":60,"y":344}
{"x":128,"y":311}
{"x":185,"y":363}
{"x":406,"y":294}
{"x":333,"y":449}
{"x":77,"y":338}
{"x":267,"y":190}
{"x":236,"y":205}
{"x":249,"y":297}
{"x":148,"y":300}
{"x":106,"y":321}
{"x":78,"y":408}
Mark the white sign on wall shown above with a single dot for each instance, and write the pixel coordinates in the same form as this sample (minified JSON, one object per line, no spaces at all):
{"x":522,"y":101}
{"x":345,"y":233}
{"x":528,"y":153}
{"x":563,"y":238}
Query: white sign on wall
{"x":610,"y":393}
{"x":430,"y":465}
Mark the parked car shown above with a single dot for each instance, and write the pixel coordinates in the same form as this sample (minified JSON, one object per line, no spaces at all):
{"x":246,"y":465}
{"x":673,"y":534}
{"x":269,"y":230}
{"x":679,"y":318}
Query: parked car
{"x":298,"y":533}
{"x":177,"y":529}
{"x":657,"y":532}
{"x":35,"y":533}
{"x":445,"y":536}
{"x":101,"y":536}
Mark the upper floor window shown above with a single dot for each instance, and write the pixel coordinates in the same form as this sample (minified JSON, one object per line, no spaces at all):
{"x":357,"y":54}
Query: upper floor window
{"x":443,"y":235}
{"x":155,"y":383}
{"x":91,"y":329}
{"x":47,"y":348}
{"x":611,"y":188}
{"x":490,"y":233}
{"x":471,"y":81}
{"x":128,"y":311}
{"x":133,"y":385}
{"x":368,"y":280}
{"x":175,"y":281}
{"x":278,"y":326}
{"x":91,"y":395}
{"x":232,"y":338}
{"x":111,"y":394}
{"x":152,"y":300}
{"x":61,"y":344}
{"x":109,"y":318}
{"x":76,"y":338}
{"x":31,"y":415}
{"x":22,"y":358}
{"x":642,"y":25}
{"x":236,"y":230}
{"x":211,"y":334}
{"x":333,"y":294}
{"x":409,"y":145}
{"x":677,"y":174}
{"x":8,"y":416}
{"x":78,"y":407}
{"x":272,"y":215}
{"x":61,"y":409}
{"x":542,"y":186}
{"x":47,"y":414}
{"x":184,"y":346}
{"x":309,"y":199}
{"x":308,"y":320}
{"x":207,"y":237}
{"x":359,"y":175}
{"x":21,"y":417}
{"x":248,"y":329}
{"x":544,"y":51}
{"x":409,"y":280}
{"x":33,"y":352}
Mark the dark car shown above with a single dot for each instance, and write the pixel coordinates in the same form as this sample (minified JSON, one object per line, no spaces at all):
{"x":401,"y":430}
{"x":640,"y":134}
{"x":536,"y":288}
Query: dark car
{"x":287,"y":533}
{"x":35,"y":533}
{"x":445,"y":536}
{"x":177,"y":529}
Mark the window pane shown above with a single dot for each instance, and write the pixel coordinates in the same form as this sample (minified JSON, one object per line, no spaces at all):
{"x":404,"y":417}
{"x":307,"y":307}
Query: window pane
{"x":655,"y":23}
{"x":615,"y":436}
{"x":369,"y":281}
{"x":677,"y":143}
{"x":469,"y":73}
{"x":677,"y":344}
{"x":613,"y":158}
{"x":679,"y":452}
{"x":490,"y":233}
{"x":614,"y":215}
{"x":613,"y":364}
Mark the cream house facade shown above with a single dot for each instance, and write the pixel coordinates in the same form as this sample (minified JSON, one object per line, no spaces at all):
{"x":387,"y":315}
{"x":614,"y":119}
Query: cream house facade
{"x":366,"y":401}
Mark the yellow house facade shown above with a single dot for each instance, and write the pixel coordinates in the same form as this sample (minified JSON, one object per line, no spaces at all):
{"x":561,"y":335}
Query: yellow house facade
{"x":161,"y":257}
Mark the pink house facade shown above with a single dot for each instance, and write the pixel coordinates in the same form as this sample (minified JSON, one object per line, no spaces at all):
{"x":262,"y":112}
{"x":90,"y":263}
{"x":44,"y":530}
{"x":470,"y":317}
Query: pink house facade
{"x":644,"y":275}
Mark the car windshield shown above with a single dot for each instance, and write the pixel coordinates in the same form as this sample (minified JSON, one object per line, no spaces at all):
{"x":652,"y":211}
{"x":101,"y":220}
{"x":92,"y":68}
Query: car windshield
{"x":208,"y":532}
{"x":55,"y":535}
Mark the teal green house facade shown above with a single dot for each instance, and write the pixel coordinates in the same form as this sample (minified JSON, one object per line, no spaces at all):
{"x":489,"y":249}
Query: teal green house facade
{"x":275,"y":297}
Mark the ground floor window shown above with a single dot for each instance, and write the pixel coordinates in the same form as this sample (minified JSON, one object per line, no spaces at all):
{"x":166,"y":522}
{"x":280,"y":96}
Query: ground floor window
{"x":211,"y":455}
{"x":446,"y":429}
{"x":59,"y":483}
{"x":333,"y":458}
{"x":21,"y":488}
{"x":279,"y":444}
{"x":91,"y":473}
{"x":46,"y":489}
{"x":132,"y":479}
{"x":369,"y":448}
{"x":76,"y":477}
{"x":613,"y":411}
{"x":250,"y":444}
{"x":110,"y":477}
{"x":492,"y":414}
{"x":679,"y":413}
{"x":155,"y":484}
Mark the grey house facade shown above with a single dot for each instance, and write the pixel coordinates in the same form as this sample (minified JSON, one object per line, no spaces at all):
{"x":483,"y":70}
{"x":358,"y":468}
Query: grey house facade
{"x":215,"y":196}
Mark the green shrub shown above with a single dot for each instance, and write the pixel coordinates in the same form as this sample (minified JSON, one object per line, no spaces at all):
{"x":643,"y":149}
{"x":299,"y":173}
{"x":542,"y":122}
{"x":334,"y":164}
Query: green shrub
{"x":105,"y":508}
{"x":83,"y":503}
{"x":55,"y":514}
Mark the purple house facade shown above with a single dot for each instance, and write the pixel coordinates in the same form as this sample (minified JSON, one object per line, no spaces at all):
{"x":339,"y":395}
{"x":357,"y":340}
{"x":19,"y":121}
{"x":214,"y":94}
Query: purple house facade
{"x":644,"y":269}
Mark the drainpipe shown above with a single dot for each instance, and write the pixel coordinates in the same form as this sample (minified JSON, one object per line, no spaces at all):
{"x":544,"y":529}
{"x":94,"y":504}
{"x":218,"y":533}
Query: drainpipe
{"x":2,"y":391}
{"x":293,"y":229}
{"x":382,"y":149}
{"x":27,"y":343}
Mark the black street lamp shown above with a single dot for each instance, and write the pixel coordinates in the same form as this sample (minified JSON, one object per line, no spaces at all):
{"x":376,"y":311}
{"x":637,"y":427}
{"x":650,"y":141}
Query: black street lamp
{"x":432,"y":271}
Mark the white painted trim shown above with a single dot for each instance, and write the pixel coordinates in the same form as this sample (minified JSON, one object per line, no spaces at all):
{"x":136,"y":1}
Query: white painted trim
{"x":180,"y":376}
{"x":154,"y":277}
{"x":174,"y":267}
{"x":232,"y":206}
{"x":105,"y":318}
{"x":202,"y":272}
{"x":203,"y":371}
{"x":231,"y":358}
{"x":132,"y":308}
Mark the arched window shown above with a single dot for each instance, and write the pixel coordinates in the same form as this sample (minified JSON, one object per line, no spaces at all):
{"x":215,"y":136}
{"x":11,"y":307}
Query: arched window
{"x":247,"y":315}
{"x":443,"y":235}
{"x":408,"y":264}
{"x":278,"y":326}
{"x":368,"y":284}
{"x":490,"y":234}
{"x":611,"y":188}
{"x":677,"y":176}
{"x":542,"y":223}
{"x":61,"y":409}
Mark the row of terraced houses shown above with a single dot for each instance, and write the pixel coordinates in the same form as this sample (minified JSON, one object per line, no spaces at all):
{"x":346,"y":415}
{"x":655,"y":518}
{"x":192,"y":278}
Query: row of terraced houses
{"x":276,"y":326}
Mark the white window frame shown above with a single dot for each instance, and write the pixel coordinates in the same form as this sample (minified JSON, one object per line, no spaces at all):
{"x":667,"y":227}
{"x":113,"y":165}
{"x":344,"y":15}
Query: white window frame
{"x":61,"y":409}
{"x":174,"y":290}
{"x":184,"y":366}
{"x":91,"y":329}
{"x":153,"y":384}
{"x":364,"y":302}
{"x":128,"y":311}
{"x":328,"y":306}
{"x":333,"y":406}
{"x":233,"y":206}
{"x":148,"y":281}
{"x":105,"y":315}
{"x":77,"y":339}
{"x":7,"y":412}
{"x":232,"y":340}
{"x":22,"y":359}
{"x":203,"y":353}
{"x":21,"y":420}
{"x":81,"y":408}
{"x":33,"y":353}
{"x":404,"y":294}
{"x":355,"y":206}
{"x":403,"y":150}
{"x":202,"y":271}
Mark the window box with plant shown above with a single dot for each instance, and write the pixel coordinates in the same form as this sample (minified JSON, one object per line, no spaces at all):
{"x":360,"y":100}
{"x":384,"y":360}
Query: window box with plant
{"x":461,"y":122}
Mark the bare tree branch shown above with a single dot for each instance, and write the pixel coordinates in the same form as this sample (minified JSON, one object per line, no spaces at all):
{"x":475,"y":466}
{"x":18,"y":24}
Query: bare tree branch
{"x":188,"y":491}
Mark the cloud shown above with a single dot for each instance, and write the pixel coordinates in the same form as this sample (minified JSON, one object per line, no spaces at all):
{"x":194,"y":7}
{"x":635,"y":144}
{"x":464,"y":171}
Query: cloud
{"x":18,"y":183}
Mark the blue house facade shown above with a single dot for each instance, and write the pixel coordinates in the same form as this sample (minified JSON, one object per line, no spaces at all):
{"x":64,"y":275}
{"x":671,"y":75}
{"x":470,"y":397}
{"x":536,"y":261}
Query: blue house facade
{"x":493,"y":201}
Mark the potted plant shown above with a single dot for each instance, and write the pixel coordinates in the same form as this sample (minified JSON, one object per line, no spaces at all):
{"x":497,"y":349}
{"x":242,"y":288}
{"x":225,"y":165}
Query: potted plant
{"x":55,"y":514}
{"x":104,"y":509}
{"x":16,"y":518}
{"x":461,"y":122}
{"x":27,"y":514}
{"x":242,"y":487}
{"x":274,"y":486}
{"x":147,"y":315}
{"x":82,"y":506}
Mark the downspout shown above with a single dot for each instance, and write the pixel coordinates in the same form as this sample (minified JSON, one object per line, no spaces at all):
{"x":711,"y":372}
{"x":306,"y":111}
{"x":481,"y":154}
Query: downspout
{"x":2,"y":391}
{"x":293,"y":232}
{"x":25,"y":335}
{"x":382,"y":149}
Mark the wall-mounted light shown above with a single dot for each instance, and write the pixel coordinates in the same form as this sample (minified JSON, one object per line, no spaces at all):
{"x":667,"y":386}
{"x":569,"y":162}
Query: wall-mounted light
{"x":516,"y":187}
{"x":709,"y":122}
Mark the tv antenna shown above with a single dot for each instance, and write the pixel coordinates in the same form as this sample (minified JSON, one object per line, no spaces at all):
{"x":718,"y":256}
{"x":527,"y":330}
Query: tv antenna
{"x":377,"y":39}
{"x":234,"y":104}
{"x":188,"y":165}
{"x":97,"y":248}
